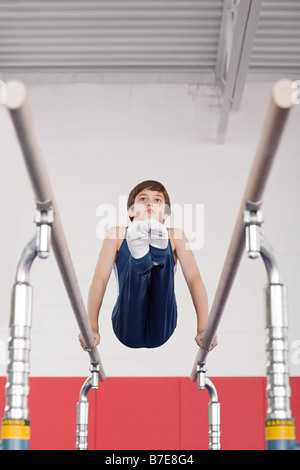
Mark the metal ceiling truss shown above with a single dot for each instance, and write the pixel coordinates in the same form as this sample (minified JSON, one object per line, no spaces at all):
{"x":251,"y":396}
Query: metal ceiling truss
{"x":197,"y":42}
{"x":237,"y":34}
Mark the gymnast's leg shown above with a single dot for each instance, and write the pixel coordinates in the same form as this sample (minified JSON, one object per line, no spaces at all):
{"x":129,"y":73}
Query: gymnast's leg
{"x":130,"y":312}
{"x":162,"y":310}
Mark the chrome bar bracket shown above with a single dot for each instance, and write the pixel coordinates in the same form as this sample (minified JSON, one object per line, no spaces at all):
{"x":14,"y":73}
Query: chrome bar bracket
{"x":44,"y":219}
{"x":253,"y":220}
{"x":95,"y":371}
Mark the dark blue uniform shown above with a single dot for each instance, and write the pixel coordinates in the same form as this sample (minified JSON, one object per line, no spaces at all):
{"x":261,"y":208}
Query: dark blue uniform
{"x":145,"y":314}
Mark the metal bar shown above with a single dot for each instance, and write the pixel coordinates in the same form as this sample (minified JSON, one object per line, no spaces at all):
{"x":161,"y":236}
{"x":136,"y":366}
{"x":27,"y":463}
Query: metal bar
{"x":280,"y":106}
{"x":17,"y":104}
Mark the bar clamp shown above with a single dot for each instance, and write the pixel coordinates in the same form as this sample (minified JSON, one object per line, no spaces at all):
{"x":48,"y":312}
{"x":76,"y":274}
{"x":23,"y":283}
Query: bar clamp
{"x":253,"y":219}
{"x":44,"y":218}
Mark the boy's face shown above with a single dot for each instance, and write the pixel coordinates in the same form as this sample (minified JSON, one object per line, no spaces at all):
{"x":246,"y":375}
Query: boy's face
{"x":149,"y":204}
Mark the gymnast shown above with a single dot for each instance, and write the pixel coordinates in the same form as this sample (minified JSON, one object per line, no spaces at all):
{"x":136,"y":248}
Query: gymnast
{"x":144,"y":257}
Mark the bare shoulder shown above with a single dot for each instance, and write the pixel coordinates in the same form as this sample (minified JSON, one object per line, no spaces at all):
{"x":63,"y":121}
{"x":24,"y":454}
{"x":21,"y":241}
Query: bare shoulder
{"x":177,"y":236}
{"x":178,"y":242}
{"x":116,"y":234}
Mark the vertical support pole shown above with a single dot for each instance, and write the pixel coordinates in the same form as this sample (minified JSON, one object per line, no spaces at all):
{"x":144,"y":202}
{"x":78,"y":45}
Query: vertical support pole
{"x":83,"y":416}
{"x":214,"y":433}
{"x":213,"y":417}
{"x":279,"y":425}
{"x":82,"y":419}
{"x":15,"y":425}
{"x":15,"y":432}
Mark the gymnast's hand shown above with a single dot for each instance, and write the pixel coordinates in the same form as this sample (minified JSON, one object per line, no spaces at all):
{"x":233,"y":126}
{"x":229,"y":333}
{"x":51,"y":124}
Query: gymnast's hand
{"x":96,"y":340}
{"x":198,"y":340}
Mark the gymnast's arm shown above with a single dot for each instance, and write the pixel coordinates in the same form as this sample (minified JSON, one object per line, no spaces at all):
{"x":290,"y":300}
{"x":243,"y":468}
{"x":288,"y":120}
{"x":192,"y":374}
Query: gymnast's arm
{"x":100,"y":279}
{"x":193,"y":279}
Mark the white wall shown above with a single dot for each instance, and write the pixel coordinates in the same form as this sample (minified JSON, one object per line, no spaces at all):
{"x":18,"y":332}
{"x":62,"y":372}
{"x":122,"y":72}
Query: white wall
{"x":98,"y":142}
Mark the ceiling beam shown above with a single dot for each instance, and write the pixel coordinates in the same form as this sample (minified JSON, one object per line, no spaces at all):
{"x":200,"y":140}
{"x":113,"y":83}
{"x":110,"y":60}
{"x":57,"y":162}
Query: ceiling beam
{"x":237,"y":33}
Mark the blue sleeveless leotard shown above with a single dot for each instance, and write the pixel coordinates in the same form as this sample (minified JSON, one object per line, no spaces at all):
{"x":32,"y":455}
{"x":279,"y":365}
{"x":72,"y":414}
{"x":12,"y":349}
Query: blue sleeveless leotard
{"x":145,"y":313}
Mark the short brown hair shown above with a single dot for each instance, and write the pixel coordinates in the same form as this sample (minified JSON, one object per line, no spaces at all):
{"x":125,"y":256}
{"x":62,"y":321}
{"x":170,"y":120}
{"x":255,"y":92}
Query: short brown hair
{"x":152,"y":186}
